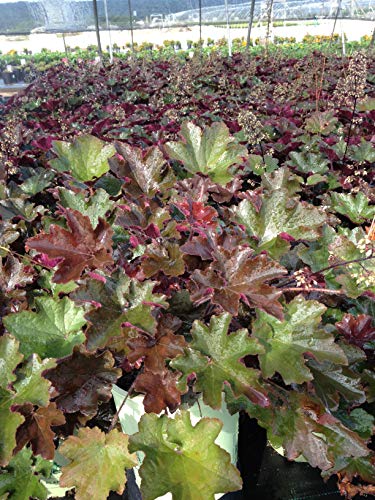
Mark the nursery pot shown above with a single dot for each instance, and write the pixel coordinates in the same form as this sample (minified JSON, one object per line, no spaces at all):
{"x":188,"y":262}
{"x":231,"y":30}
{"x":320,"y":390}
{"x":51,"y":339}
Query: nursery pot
{"x":20,"y":74}
{"x":9,"y":77}
{"x":133,"y":410}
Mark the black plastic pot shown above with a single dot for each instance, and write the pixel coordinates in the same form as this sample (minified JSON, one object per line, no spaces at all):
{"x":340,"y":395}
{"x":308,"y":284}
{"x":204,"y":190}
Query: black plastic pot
{"x":20,"y":74}
{"x":269,"y":476}
{"x":9,"y":77}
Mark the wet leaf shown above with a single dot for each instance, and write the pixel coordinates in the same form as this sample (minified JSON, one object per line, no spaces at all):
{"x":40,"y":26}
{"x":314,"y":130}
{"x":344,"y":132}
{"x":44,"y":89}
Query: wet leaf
{"x":184,"y":458}
{"x":359,"y":330}
{"x":210,"y":151}
{"x":119,"y":300}
{"x":239,"y":274}
{"x":22,"y":479}
{"x":279,"y":214}
{"x":79,"y":248}
{"x":97,"y":463}
{"x":83,"y":380}
{"x":85,"y":158}
{"x":286,"y":342}
{"x":36,"y":429}
{"x":148,"y":172}
{"x":95,"y":206}
{"x":332,"y":381}
{"x":214,"y":357}
{"x":51,"y":331}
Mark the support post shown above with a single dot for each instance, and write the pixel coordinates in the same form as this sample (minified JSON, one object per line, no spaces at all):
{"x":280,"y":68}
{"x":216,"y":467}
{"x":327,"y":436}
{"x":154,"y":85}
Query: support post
{"x":200,"y":25}
{"x":228,"y":29}
{"x":251,"y":19}
{"x":97,"y":30}
{"x":131,"y":23}
{"x":109,"y":31}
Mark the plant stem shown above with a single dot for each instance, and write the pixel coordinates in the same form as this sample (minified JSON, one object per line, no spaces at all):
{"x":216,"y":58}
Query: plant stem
{"x":308,"y":290}
{"x":117,"y":414}
{"x":350,"y":129}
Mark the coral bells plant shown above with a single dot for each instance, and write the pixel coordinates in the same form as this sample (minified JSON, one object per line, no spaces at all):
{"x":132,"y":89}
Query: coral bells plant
{"x":212,"y":243}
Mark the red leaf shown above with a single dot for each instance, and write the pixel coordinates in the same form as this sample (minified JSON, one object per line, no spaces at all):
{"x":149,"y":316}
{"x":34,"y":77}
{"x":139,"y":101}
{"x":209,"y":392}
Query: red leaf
{"x":155,"y":350}
{"x":239,"y":274}
{"x":83,"y":380}
{"x":36,"y":429}
{"x":357,"y":330}
{"x":81,"y":247}
{"x":160,"y":390}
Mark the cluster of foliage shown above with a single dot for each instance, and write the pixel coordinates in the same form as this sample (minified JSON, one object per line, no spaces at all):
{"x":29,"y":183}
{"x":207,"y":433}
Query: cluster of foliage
{"x":281,"y":46}
{"x":187,"y":230}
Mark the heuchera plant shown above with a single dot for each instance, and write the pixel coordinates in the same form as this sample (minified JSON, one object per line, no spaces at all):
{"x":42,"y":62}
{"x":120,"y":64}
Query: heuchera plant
{"x":187,"y":231}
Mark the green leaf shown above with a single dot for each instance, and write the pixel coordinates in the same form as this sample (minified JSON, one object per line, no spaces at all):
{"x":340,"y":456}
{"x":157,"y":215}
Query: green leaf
{"x":184,"y":459}
{"x":10,"y":358}
{"x":38,"y":182}
{"x":365,"y":152}
{"x":355,"y":207}
{"x":149,"y":171}
{"x":45,"y":281}
{"x":362,"y":467}
{"x":110,"y":184}
{"x":357,"y":277}
{"x":97,"y":463}
{"x":214,"y":357}
{"x":22,"y":479}
{"x":321,"y":122}
{"x":122,"y":300}
{"x":20,"y":208}
{"x":9,"y":423}
{"x":210,"y":152}
{"x":278,"y":214}
{"x":282,"y":178}
{"x":29,"y":387}
{"x":51,"y":331}
{"x":316,"y":253}
{"x":285,"y":342}
{"x":331,"y":381}
{"x":85,"y":158}
{"x":357,"y":420}
{"x":94,"y":206}
{"x":260,"y":166}
{"x":368,"y":378}
{"x":308,"y":162}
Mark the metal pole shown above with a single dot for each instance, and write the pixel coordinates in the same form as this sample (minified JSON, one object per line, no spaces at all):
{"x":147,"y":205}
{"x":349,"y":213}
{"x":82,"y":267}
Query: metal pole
{"x":228,"y":29}
{"x":96,"y":19}
{"x":109,"y":32}
{"x":131,"y":23}
{"x":372,"y":43}
{"x":252,"y":7}
{"x":200,"y":24}
{"x":269,"y":19}
{"x":65,"y":48}
{"x":334,"y":23}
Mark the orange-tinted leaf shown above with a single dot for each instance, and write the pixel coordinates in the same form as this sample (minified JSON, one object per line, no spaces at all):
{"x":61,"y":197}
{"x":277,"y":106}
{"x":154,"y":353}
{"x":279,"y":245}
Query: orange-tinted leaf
{"x":237,"y":274}
{"x":155,"y":350}
{"x":36,"y":429}
{"x":78,"y":248}
{"x":160,"y":390}
{"x":166,"y":258}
